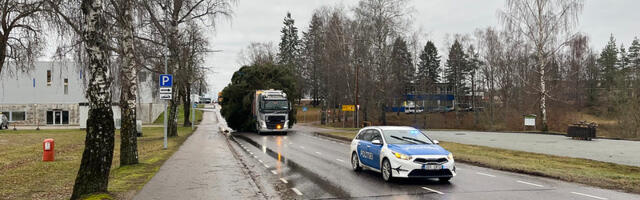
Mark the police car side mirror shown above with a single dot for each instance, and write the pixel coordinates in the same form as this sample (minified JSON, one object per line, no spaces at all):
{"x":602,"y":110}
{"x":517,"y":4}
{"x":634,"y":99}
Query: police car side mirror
{"x":436,"y":142}
{"x":376,"y":142}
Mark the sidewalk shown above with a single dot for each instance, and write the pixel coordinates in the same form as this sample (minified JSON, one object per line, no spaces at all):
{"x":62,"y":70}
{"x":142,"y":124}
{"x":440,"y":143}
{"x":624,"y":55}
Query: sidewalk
{"x":203,"y":168}
{"x":606,"y":150}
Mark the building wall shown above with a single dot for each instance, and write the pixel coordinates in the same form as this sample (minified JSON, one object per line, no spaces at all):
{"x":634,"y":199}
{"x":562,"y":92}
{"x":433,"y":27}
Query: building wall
{"x":36,"y":114}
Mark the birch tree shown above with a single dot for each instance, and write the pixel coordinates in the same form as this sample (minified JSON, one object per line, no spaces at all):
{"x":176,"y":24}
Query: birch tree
{"x":93,"y":175}
{"x":547,"y":25}
{"x":21,"y":32}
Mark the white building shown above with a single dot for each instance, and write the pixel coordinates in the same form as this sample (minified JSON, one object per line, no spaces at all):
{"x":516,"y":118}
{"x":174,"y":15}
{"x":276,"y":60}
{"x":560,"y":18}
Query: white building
{"x":53,"y":93}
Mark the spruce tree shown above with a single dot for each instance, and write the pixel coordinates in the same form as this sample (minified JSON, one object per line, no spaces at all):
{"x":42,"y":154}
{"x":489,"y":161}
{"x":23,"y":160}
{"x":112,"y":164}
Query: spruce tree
{"x":289,"y":43}
{"x":402,"y":67}
{"x":313,"y":46}
{"x":456,"y":71}
{"x":607,"y":61}
{"x":429,"y":67}
{"x":634,"y":54}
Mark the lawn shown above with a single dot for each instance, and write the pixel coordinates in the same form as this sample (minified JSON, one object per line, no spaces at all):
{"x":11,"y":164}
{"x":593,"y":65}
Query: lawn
{"x":589,"y":172}
{"x":160,"y":119}
{"x":25,"y":176}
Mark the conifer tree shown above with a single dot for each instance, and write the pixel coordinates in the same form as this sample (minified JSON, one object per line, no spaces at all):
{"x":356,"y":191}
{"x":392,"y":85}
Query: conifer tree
{"x":429,"y":67}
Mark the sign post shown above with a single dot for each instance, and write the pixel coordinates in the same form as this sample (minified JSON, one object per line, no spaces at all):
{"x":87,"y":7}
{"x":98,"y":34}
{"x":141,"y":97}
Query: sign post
{"x":166,"y":84}
{"x":304,"y":114}
{"x":193,"y":115}
{"x":345,"y":108}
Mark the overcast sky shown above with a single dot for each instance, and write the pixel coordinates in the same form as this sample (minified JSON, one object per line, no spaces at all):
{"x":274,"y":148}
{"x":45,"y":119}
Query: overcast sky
{"x":261,"y":21}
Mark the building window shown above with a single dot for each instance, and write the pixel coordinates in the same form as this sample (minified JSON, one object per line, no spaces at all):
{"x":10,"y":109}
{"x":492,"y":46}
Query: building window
{"x":57,"y":117}
{"x":14,"y":116}
{"x":66,"y":86}
{"x":48,"y":77}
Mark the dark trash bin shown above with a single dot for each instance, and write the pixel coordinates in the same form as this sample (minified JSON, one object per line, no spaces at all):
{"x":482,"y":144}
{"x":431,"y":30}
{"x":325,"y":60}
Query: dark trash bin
{"x":582,"y":130}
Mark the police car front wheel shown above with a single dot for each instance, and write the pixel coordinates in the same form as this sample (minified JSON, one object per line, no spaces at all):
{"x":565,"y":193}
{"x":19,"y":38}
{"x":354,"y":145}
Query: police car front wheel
{"x":387,"y":173}
{"x":355,"y":163}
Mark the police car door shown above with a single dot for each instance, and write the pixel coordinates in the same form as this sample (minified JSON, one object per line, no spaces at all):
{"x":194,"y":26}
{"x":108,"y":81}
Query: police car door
{"x":375,"y":149}
{"x":363,"y":148}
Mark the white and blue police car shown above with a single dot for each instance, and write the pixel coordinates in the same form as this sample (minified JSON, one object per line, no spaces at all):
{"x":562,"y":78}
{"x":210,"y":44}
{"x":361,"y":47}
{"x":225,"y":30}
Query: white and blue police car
{"x":401,"y":152}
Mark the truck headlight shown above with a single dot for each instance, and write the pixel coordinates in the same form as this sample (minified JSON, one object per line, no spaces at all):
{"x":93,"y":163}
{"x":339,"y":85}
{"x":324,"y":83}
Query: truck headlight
{"x":401,"y":156}
{"x":263,"y":124}
{"x":450,"y":157}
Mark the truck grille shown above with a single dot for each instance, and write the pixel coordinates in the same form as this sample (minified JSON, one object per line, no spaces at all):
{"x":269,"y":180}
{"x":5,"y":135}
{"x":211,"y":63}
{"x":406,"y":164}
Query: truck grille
{"x":275,"y":119}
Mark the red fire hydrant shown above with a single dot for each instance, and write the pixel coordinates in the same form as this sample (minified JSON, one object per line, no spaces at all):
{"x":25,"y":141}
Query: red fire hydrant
{"x":47,"y":147}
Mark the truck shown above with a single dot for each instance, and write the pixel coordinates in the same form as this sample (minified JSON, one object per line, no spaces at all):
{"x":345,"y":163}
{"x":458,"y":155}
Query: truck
{"x":270,"y":109}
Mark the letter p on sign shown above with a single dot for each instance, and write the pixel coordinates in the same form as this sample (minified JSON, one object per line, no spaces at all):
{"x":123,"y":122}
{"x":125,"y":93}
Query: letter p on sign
{"x":166,"y":80}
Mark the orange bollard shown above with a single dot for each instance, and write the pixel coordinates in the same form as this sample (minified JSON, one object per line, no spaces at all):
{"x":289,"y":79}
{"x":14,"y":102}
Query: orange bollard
{"x":47,"y":147}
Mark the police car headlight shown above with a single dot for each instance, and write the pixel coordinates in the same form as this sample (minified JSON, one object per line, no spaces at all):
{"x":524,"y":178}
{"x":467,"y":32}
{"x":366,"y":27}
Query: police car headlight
{"x":402,"y":156}
{"x":450,"y":157}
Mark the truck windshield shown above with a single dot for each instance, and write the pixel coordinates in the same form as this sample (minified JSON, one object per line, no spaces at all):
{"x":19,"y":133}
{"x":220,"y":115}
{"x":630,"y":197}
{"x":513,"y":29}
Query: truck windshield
{"x":275,"y":105}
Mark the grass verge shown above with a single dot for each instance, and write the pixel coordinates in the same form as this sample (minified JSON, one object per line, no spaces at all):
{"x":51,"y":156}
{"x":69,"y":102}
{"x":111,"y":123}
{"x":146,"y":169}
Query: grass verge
{"x":584,"y":171}
{"x":160,"y":119}
{"x":25,"y":176}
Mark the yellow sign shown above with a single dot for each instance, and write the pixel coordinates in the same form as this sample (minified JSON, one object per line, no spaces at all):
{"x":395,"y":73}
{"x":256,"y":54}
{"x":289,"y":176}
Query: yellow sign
{"x":348,"y":108}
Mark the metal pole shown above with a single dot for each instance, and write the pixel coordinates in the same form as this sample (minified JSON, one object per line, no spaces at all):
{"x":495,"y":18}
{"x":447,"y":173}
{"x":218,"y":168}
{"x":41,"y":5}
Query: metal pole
{"x":193,"y":115}
{"x":357,"y":105}
{"x":166,"y":71}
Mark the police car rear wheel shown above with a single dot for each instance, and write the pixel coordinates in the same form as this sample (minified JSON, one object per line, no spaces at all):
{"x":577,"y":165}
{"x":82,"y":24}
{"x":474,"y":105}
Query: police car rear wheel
{"x":355,"y":163}
{"x":386,"y":171}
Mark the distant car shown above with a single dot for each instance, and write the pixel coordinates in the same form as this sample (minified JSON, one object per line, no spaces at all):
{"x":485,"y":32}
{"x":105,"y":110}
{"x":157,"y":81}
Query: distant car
{"x":4,"y":122}
{"x":401,"y":152}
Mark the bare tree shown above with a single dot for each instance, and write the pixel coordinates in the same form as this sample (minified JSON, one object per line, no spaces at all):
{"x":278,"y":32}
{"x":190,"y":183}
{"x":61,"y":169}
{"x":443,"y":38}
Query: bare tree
{"x":166,"y":18}
{"x":257,"y":53}
{"x":547,"y":25}
{"x":21,"y":32}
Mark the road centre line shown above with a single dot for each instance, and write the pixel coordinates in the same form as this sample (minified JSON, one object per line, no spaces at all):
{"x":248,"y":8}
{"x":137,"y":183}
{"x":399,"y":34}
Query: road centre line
{"x":523,"y":182}
{"x":586,"y":195}
{"x":489,"y":175}
{"x":339,"y":160}
{"x":274,"y":172}
{"x":265,"y":165}
{"x":284,"y":180}
{"x":297,"y":191}
{"x":260,"y":161}
{"x":317,"y":152}
{"x":301,"y":147}
{"x":432,"y":190}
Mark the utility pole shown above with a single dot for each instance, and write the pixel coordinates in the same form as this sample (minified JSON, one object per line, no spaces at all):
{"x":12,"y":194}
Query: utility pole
{"x":166,"y":63}
{"x":356,"y":94}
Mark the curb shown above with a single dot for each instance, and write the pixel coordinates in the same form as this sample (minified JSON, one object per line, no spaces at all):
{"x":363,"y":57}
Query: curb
{"x":344,"y":139}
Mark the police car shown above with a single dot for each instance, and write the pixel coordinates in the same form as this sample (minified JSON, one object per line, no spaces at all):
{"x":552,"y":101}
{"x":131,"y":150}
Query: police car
{"x":401,"y":152}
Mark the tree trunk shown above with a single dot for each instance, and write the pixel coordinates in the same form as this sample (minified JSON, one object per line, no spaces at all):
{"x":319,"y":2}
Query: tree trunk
{"x":172,"y":120}
{"x":128,"y":74}
{"x":93,"y":175}
{"x":543,"y":100}
{"x":186,"y":104}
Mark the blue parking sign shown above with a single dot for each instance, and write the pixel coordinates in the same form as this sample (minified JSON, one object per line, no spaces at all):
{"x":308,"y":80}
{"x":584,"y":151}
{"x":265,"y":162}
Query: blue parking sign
{"x":304,"y":109}
{"x":166,"y":80}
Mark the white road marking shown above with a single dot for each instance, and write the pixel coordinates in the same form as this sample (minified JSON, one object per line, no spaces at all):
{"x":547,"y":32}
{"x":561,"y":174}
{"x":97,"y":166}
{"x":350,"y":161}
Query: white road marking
{"x":297,"y":191}
{"x":260,"y":161}
{"x":250,"y":152}
{"x":339,"y":160}
{"x":586,"y":195}
{"x":530,"y":183}
{"x":432,"y":190}
{"x":265,"y":165}
{"x":255,"y":156}
{"x":301,"y":147}
{"x":489,"y":175}
{"x":283,"y":180}
{"x":318,"y":153}
{"x":290,"y":143}
{"x":274,"y":172}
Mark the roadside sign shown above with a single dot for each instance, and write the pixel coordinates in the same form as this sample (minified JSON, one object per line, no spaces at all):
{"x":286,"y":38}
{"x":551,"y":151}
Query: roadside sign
{"x":195,"y":105}
{"x":304,"y":109}
{"x":166,"y":80}
{"x":165,"y":96}
{"x":348,"y":108}
{"x":165,"y":90}
{"x":530,"y":120}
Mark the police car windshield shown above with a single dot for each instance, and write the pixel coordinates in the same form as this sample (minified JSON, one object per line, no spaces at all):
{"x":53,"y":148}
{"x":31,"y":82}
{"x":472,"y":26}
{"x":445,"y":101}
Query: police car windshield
{"x":406,"y":137}
{"x":275,"y":105}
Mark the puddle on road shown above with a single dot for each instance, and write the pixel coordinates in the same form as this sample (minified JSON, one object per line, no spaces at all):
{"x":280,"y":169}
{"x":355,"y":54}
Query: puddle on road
{"x":324,"y":184}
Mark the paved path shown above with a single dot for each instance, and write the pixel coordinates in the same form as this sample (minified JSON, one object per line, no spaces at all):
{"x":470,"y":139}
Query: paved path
{"x":614,"y":151}
{"x":203,"y":168}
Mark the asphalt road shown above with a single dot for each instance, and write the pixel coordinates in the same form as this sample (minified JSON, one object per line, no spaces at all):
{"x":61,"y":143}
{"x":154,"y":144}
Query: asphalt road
{"x":313,"y":167}
{"x":615,"y":151}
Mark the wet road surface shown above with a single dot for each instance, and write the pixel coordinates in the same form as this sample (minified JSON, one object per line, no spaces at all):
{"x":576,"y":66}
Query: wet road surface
{"x":313,"y":167}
